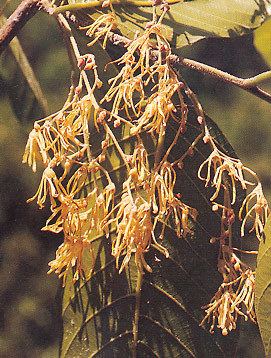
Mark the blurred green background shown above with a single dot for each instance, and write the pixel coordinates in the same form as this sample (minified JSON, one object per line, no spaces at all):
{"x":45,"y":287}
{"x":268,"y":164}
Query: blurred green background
{"x":30,"y":323}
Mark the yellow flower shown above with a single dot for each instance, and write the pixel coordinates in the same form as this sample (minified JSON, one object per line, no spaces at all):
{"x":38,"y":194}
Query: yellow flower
{"x":139,"y":163}
{"x":166,"y":204}
{"x":245,"y":293}
{"x":48,"y":184}
{"x":138,"y":72}
{"x":235,"y":296}
{"x":158,"y":110}
{"x":133,"y":231}
{"x":70,"y":255}
{"x":35,"y":148}
{"x":256,"y":209}
{"x":212,"y":171}
{"x":219,"y":312}
{"x":128,"y":94}
{"x":101,"y":28}
{"x":79,"y":219}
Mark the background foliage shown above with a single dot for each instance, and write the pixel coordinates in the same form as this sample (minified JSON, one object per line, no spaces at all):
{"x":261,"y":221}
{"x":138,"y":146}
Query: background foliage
{"x":29,"y":306}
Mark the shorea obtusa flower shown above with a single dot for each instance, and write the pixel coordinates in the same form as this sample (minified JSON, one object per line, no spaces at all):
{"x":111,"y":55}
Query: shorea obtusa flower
{"x":35,"y":148}
{"x":218,"y":164}
{"x":101,"y":27}
{"x":256,"y":211}
{"x":254,"y":207}
{"x":141,"y":73}
{"x":159,"y":108}
{"x":48,"y":184}
{"x":148,"y":199}
{"x":59,"y":136}
{"x":232,"y":300}
{"x":104,"y":184}
{"x":166,"y":204}
{"x":80,"y":220}
{"x":69,"y":255}
{"x":235,"y":296}
{"x":133,"y":231}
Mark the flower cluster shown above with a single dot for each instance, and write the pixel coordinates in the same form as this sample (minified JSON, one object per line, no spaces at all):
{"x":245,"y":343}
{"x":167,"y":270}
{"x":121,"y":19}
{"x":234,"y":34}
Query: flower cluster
{"x":256,"y":209}
{"x":134,"y":230}
{"x":140,"y":75}
{"x":61,"y":142}
{"x":148,"y":198}
{"x":218,"y":169}
{"x":82,"y":204}
{"x":216,"y":166}
{"x":166,"y":204}
{"x":85,"y":201}
{"x":234,"y":298}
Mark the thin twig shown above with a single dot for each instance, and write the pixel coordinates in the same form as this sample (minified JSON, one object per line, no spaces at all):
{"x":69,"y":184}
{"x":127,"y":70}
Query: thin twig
{"x":137,"y":312}
{"x":29,"y":7}
{"x":224,"y":76}
{"x":22,"y":60}
{"x":72,"y":42}
{"x":248,"y":84}
{"x":24,"y":12}
{"x":99,"y":3}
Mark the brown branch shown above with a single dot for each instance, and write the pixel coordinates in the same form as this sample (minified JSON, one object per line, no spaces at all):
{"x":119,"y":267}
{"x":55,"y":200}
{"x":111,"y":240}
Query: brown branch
{"x":16,"y":21}
{"x":248,"y":84}
{"x":28,"y":8}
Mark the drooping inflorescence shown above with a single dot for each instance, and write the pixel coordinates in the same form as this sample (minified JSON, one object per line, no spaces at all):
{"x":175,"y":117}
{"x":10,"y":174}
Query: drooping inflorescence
{"x":87,"y":201}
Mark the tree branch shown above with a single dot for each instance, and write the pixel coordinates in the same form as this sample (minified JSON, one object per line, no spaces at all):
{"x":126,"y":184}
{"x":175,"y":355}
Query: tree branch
{"x":28,"y":8}
{"x":248,"y":84}
{"x":16,"y":21}
{"x":99,"y":3}
{"x":221,"y":75}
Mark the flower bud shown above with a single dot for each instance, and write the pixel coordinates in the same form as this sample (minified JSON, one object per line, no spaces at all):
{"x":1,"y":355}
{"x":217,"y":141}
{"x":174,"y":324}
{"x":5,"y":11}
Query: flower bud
{"x":190,"y":152}
{"x":81,"y":63}
{"x":78,"y":89}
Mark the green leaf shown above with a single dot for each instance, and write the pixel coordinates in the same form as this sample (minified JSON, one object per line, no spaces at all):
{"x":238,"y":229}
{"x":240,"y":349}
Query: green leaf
{"x":263,"y":288}
{"x":262,"y":39}
{"x":26,"y":69}
{"x":99,"y":314}
{"x":188,"y":22}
